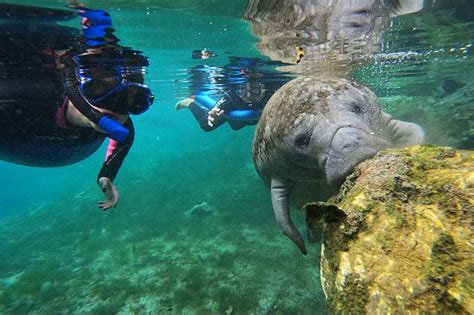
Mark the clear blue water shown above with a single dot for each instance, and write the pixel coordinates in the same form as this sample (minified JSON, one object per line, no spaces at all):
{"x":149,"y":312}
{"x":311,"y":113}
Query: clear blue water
{"x":60,"y":254}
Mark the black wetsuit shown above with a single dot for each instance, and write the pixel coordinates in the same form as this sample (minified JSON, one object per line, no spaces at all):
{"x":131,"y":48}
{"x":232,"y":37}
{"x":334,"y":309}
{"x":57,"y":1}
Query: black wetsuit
{"x":218,"y":86}
{"x":33,"y":107}
{"x":34,"y":129}
{"x":238,"y":113}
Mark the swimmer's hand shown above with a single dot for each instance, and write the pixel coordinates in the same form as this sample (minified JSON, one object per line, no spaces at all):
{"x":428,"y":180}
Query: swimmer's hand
{"x":110,"y":192}
{"x":214,"y":114}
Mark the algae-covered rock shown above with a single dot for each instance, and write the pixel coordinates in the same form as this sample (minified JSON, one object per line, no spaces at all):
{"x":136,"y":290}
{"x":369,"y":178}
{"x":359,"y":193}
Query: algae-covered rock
{"x":399,"y":236}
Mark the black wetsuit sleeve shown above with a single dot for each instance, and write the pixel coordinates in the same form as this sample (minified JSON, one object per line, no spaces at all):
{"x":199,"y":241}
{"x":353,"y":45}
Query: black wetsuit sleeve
{"x":200,"y":114}
{"x":112,"y":165}
{"x":237,"y":125}
{"x":228,"y":102}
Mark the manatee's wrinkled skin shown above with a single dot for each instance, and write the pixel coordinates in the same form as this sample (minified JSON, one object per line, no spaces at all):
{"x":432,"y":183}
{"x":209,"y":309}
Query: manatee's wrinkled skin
{"x":312,"y":134}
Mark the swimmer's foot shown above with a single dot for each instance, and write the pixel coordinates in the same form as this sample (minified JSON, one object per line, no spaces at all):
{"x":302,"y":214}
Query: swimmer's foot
{"x":183,"y":103}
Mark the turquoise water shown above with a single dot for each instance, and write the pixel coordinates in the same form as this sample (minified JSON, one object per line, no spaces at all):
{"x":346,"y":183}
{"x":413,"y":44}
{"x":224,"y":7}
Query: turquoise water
{"x":60,"y":254}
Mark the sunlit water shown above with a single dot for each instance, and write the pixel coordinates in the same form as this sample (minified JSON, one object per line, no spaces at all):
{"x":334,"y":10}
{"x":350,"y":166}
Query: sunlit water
{"x":60,"y":254}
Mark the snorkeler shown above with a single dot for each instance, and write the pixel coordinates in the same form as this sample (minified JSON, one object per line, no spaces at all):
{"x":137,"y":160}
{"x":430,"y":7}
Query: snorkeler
{"x":203,"y":54}
{"x":62,"y":94}
{"x":235,"y":93}
{"x":239,"y":108}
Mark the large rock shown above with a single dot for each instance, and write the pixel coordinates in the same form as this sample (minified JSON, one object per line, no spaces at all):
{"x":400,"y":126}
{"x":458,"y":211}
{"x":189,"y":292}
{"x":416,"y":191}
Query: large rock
{"x":399,"y":236}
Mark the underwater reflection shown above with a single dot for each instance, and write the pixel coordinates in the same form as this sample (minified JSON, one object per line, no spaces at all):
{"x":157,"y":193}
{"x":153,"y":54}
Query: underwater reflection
{"x":338,"y":32}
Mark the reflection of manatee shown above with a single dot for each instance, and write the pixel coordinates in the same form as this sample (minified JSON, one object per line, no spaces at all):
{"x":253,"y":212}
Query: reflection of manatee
{"x":313,"y":133}
{"x":332,"y":29}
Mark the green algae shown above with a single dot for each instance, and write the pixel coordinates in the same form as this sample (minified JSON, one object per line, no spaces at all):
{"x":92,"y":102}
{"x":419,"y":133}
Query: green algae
{"x":407,"y":244}
{"x":443,"y":271}
{"x":356,"y":302}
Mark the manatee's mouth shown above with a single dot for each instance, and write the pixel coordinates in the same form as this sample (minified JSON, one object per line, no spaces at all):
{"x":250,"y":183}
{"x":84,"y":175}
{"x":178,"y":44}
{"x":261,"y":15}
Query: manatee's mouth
{"x":302,"y":173}
{"x":349,"y":147}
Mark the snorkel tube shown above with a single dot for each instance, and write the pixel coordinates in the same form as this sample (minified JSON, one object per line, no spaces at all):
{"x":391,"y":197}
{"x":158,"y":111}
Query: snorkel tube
{"x":114,"y":129}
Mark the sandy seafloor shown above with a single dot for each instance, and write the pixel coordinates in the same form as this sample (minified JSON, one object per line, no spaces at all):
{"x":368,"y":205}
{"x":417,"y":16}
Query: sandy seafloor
{"x":152,"y":254}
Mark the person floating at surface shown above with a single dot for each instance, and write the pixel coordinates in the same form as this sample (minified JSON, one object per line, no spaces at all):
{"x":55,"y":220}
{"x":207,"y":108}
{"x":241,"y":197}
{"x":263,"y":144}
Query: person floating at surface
{"x":236,"y":93}
{"x":239,"y":108}
{"x":62,"y":91}
{"x":203,"y":54}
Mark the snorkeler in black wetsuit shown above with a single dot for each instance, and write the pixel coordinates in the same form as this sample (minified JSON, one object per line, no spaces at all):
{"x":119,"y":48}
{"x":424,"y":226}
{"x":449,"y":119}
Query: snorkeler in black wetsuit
{"x":239,"y":108}
{"x":62,"y":94}
{"x":235,"y":93}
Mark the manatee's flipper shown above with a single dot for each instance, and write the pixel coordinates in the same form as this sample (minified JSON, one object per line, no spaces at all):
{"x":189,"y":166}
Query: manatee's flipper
{"x":401,"y":7}
{"x":402,"y":134}
{"x":280,"y":202}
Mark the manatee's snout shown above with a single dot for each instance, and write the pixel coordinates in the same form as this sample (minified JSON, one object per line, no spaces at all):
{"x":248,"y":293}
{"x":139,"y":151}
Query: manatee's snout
{"x":350,"y":146}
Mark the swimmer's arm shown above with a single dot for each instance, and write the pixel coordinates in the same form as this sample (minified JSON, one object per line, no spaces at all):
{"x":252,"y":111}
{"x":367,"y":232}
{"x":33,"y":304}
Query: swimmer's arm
{"x":114,"y":159}
{"x":244,"y":114}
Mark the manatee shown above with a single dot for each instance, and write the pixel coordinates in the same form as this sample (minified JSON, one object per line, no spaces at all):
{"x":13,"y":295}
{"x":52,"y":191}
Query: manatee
{"x":313,"y":133}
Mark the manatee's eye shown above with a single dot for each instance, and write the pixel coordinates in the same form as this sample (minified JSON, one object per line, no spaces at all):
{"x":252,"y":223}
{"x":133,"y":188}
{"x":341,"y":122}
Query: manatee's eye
{"x":356,"y":108}
{"x":302,"y":140}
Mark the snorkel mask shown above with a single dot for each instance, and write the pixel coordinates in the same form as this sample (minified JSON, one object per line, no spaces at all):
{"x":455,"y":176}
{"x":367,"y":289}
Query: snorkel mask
{"x":118,"y":94}
{"x":100,"y":80}
{"x":110,"y":76}
{"x":106,"y":75}
{"x":250,"y":92}
{"x":113,"y":80}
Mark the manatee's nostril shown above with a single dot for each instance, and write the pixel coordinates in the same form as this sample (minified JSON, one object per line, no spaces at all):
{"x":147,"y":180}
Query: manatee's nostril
{"x":362,"y":11}
{"x":356,"y":143}
{"x":354,"y":25}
